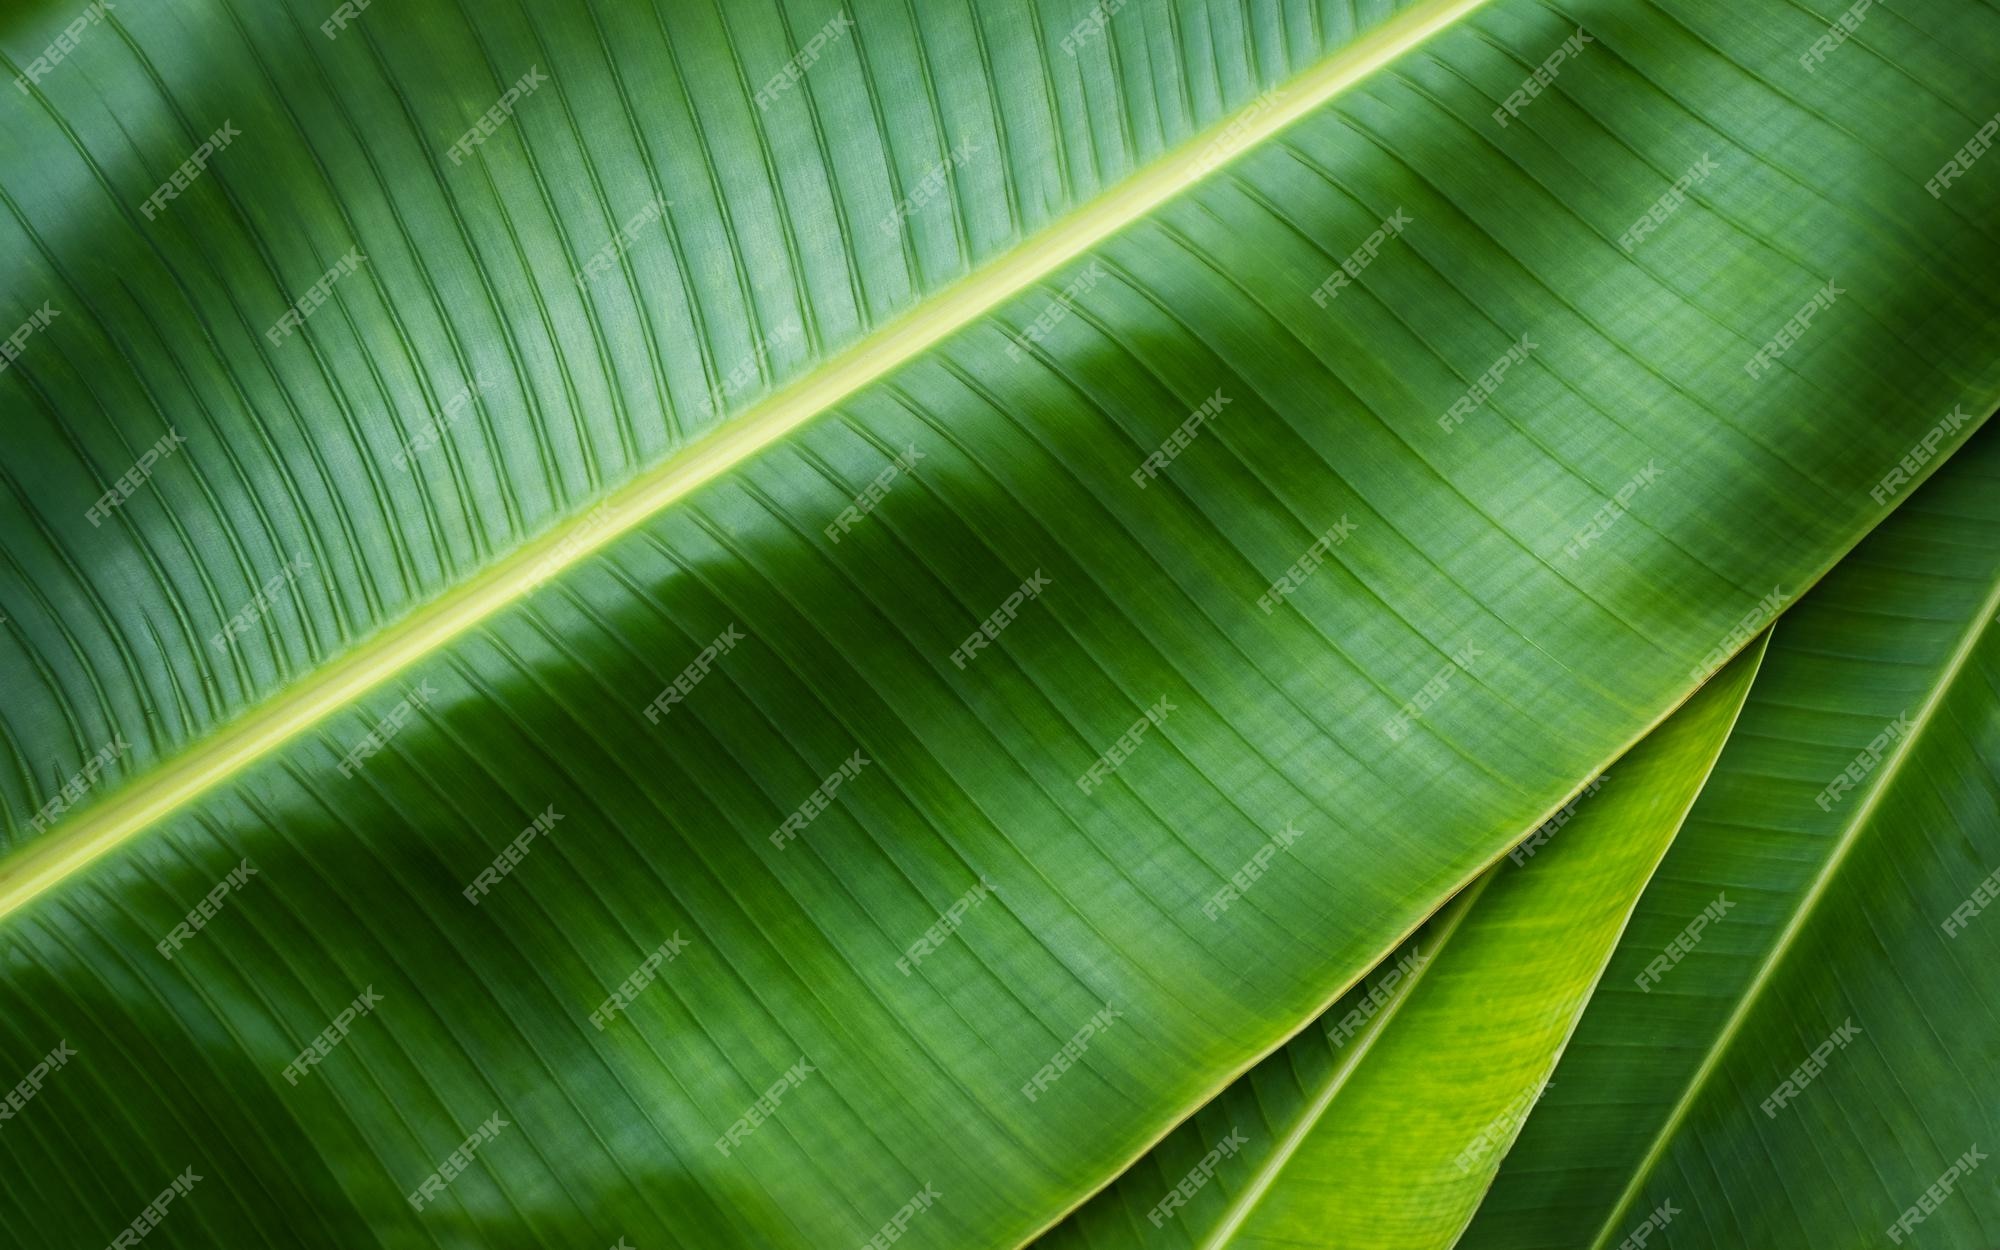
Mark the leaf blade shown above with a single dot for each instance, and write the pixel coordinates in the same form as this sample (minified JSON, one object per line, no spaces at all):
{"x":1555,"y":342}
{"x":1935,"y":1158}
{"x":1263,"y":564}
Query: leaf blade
{"x":1901,"y":631}
{"x":1394,"y":1116}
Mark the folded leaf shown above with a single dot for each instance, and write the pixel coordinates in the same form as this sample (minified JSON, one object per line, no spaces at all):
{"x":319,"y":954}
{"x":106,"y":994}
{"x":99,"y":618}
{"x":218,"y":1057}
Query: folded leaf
{"x":1802,"y":1073}
{"x":1383,"y":1122}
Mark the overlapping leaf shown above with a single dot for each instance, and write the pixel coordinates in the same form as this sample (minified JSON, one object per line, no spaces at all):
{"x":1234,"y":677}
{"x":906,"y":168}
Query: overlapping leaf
{"x":1384,"y":1123}
{"x":1804,"y":1072}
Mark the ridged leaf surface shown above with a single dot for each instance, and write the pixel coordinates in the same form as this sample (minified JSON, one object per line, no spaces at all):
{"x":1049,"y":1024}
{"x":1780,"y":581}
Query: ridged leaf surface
{"x":1435,"y":674}
{"x":1854,"y":825}
{"x":1384,"y":1122}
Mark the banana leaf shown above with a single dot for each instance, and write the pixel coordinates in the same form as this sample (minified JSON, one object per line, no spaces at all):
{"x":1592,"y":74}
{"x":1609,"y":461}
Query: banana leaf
{"x":852,"y":749}
{"x":1385,"y":1122}
{"x":1805,"y":1073}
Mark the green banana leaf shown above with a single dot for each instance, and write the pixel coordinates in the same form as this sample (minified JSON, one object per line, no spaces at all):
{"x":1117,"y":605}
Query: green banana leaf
{"x":1384,"y":1123}
{"x":650,"y":243}
{"x":1808,"y":1070}
{"x":305,"y":976}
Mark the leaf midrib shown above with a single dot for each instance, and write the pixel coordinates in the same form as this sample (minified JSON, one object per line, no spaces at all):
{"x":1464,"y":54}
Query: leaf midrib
{"x":225,"y":751}
{"x":1885,"y":780}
